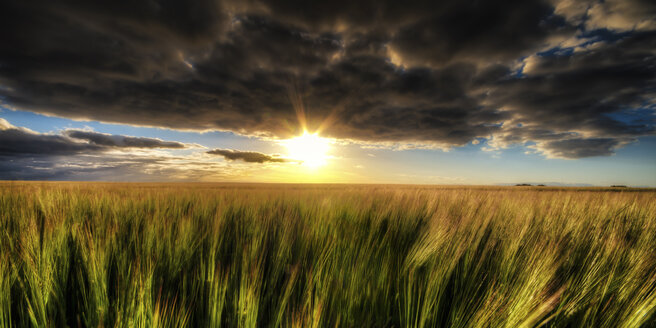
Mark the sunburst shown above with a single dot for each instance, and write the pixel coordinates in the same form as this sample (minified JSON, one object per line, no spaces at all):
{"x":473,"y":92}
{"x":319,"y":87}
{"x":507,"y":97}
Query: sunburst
{"x":309,"y":148}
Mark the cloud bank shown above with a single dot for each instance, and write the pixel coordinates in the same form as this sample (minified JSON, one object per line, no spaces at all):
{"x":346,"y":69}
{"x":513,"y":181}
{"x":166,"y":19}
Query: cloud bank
{"x":89,"y":155}
{"x":576,"y":78}
{"x":21,"y":141}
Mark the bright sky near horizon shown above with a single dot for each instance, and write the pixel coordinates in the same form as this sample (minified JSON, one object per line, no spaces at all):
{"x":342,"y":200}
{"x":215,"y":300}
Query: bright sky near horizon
{"x":350,"y":163}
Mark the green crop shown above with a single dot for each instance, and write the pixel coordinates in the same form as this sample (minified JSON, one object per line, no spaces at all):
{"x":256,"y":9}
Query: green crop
{"x":249,"y":255}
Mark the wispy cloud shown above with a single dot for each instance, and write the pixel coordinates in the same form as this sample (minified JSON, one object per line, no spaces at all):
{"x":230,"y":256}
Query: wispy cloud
{"x":88,"y":155}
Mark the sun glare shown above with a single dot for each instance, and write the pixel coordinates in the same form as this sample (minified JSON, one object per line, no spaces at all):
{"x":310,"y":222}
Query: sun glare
{"x":310,"y":149}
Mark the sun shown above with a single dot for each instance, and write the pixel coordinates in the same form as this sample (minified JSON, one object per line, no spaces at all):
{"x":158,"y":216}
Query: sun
{"x":310,"y":149}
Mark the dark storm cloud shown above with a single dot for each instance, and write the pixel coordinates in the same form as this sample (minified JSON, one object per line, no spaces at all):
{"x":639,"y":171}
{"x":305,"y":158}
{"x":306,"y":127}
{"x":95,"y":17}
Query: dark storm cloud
{"x":18,"y":141}
{"x":577,"y":148}
{"x":246,"y":156}
{"x":589,"y":93}
{"x":109,"y":140}
{"x":436,"y":73}
{"x":479,"y":31}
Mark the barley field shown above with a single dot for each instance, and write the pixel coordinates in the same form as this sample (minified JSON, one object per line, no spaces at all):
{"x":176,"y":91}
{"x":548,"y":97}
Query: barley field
{"x":260,"y":255}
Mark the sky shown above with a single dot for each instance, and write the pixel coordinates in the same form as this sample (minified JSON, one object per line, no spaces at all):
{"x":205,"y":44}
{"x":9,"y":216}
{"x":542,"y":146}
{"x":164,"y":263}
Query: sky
{"x":558,"y":92}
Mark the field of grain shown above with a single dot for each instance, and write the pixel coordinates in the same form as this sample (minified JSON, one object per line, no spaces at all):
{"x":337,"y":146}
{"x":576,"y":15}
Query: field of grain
{"x":249,"y":255}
